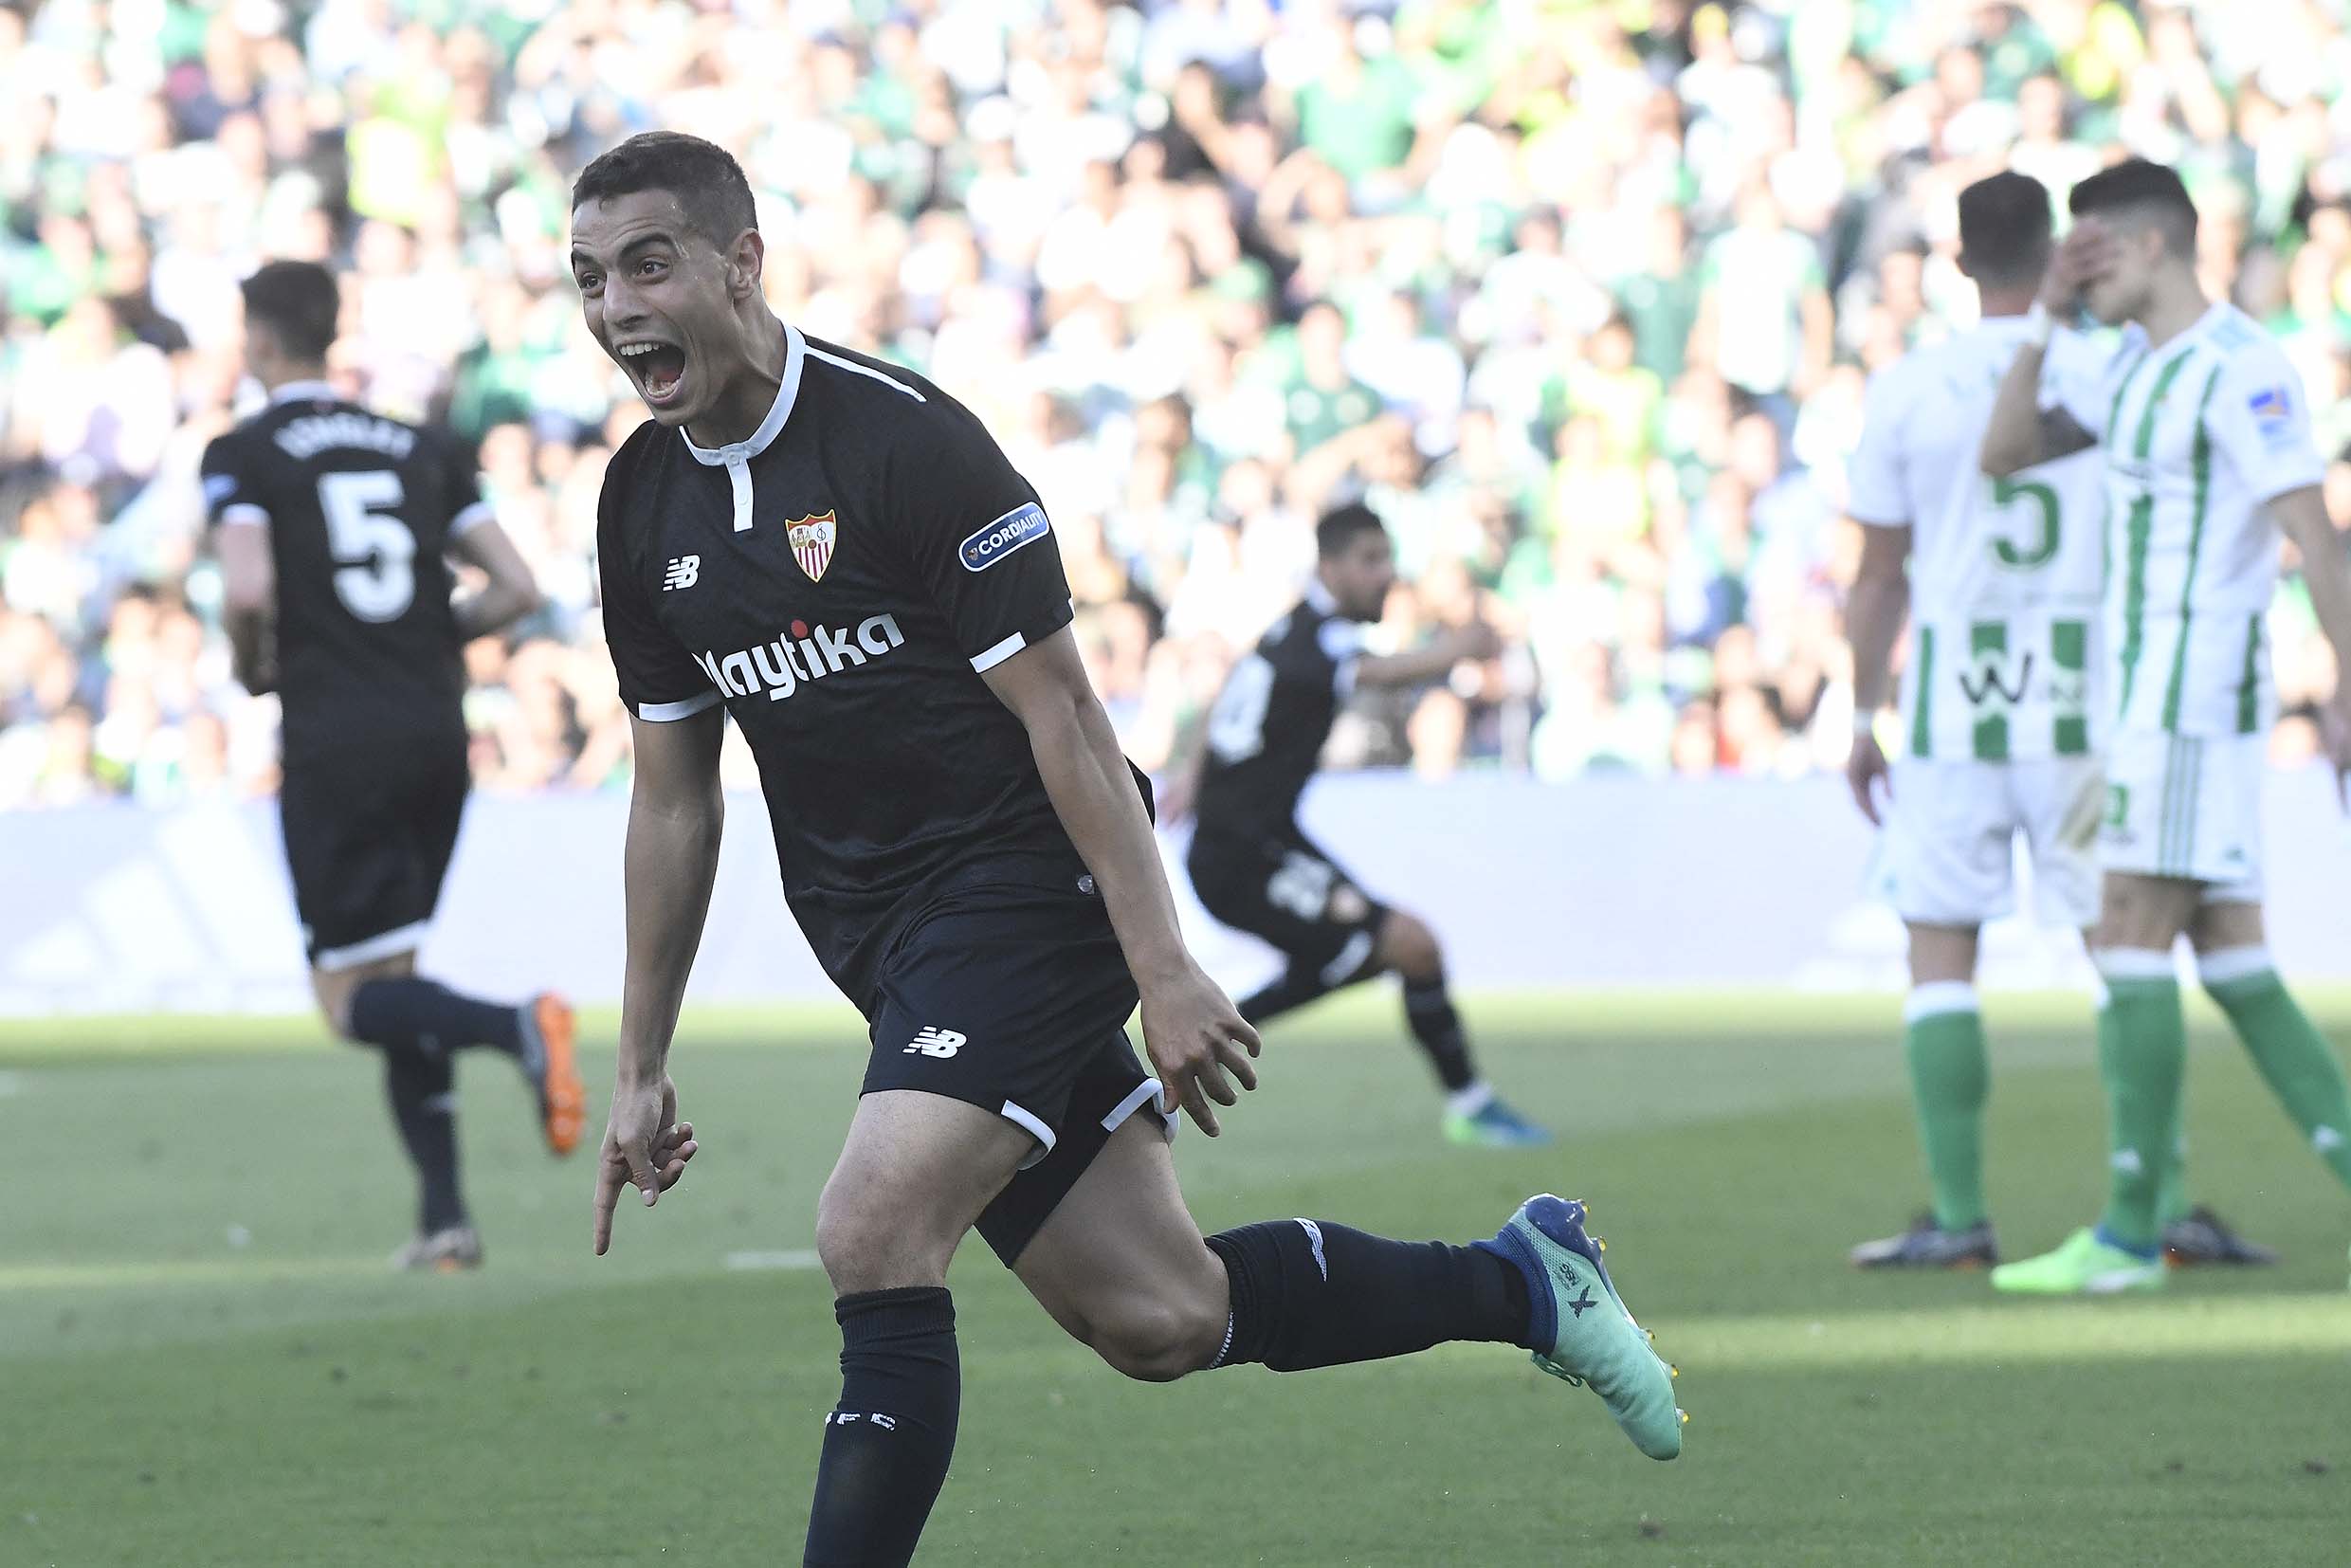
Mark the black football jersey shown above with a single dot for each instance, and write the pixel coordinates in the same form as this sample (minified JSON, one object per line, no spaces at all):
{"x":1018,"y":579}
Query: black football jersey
{"x":360,"y":509}
{"x":839,"y":581}
{"x":1268,"y":727}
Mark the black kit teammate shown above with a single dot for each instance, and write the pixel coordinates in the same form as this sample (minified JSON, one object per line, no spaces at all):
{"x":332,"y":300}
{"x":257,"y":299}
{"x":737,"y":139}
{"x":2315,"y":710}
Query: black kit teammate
{"x":333,"y":527}
{"x":834,"y":553}
{"x":1254,"y":867}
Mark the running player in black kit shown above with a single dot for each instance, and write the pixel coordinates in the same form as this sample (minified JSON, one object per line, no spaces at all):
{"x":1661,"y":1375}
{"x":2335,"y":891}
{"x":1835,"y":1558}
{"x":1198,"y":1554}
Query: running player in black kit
{"x":833,"y":552}
{"x":332,"y":526}
{"x":1255,"y":868}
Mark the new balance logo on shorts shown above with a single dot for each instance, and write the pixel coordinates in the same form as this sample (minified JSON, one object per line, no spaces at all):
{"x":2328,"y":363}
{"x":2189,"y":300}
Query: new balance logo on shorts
{"x":684,"y":572}
{"x":941,"y":1043}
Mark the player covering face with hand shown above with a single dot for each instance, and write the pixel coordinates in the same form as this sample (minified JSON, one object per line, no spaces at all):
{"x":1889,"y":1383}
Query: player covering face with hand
{"x":831,"y":551}
{"x":2210,"y":467}
{"x":2002,"y":722}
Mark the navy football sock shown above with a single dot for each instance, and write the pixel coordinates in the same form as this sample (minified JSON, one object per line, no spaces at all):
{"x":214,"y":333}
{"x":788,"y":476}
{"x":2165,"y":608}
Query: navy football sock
{"x":887,"y":1443}
{"x":422,"y":1091}
{"x":1287,"y":991}
{"x":412,"y":1010}
{"x":1429,"y":1011}
{"x":1308,"y":1293}
{"x":1303,"y":982}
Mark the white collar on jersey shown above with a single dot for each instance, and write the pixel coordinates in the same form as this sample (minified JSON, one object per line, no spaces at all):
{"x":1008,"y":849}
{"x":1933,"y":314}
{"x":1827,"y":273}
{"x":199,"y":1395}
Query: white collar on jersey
{"x":305,"y":391}
{"x":787,"y":393}
{"x":1320,"y":597}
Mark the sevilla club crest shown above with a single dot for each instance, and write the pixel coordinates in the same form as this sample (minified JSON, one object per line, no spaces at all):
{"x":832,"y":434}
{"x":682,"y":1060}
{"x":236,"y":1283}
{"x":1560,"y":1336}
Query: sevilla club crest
{"x":812,"y":540}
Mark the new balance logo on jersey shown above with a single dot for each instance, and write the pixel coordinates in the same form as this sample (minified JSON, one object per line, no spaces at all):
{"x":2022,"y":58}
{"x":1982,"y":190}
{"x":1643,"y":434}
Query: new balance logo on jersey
{"x":804,"y":654}
{"x":941,"y":1043}
{"x":683,"y":572}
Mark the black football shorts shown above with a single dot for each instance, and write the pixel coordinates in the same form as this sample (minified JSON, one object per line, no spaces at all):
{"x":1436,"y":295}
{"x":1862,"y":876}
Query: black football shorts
{"x":1288,"y":892}
{"x":369,"y":828}
{"x":1015,"y":999}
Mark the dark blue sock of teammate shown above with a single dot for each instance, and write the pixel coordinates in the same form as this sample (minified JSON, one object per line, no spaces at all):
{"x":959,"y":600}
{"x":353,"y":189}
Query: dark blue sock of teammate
{"x":1288,"y":991}
{"x":1429,"y":1013}
{"x":887,"y":1443}
{"x":1298,"y":985}
{"x":1308,"y":1293}
{"x":409,"y":1009}
{"x":423,"y":1089}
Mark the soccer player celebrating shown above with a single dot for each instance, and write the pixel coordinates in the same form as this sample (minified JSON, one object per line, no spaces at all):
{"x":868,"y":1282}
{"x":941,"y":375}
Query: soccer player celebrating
{"x":333,"y":527}
{"x":2209,"y":459}
{"x":833,"y":552}
{"x":1255,"y":868}
{"x":2000,"y":723}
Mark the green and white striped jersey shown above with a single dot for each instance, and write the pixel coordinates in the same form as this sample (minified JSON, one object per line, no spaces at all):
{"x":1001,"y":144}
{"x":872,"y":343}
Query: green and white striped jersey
{"x":2004,"y":574}
{"x":2198,"y":433}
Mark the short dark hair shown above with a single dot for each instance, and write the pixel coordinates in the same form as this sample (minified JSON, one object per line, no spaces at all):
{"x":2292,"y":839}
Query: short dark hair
{"x":2135,"y":183}
{"x":2004,"y":228}
{"x":1343,"y":525}
{"x":299,"y":302}
{"x":704,"y":177}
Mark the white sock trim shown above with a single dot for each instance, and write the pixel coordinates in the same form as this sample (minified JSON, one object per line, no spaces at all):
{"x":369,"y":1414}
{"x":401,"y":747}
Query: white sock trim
{"x":2133,"y":963}
{"x":1314,"y":1240}
{"x":2233,"y":963}
{"x":1938,"y":997}
{"x":1469,"y":1100}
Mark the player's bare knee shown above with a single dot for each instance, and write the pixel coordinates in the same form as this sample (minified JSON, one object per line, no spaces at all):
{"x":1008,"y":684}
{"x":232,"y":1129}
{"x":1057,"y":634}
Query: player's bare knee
{"x":866,"y":1243}
{"x":333,"y":993}
{"x":1158,"y":1339}
{"x":1409,"y":948}
{"x":2144,"y":913}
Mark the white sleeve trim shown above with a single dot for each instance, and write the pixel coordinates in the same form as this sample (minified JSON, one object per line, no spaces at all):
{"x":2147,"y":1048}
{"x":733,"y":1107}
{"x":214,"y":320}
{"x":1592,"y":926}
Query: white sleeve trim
{"x":663,"y":713}
{"x":471,"y":517}
{"x":986,"y":660}
{"x":243,"y":514}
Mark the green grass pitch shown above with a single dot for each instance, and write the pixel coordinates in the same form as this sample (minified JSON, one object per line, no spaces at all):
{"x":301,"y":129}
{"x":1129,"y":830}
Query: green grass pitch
{"x":203,"y":1361}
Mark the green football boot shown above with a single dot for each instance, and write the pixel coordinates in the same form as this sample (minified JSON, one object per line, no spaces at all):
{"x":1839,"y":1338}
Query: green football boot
{"x":1592,"y":1337}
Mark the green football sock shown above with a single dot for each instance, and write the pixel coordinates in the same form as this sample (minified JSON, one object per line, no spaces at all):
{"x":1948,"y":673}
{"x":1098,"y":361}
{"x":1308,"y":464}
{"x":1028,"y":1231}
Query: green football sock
{"x":2143,"y":1048}
{"x":1943,"y":1036}
{"x":2293,"y":1058}
{"x":2171,"y":1191}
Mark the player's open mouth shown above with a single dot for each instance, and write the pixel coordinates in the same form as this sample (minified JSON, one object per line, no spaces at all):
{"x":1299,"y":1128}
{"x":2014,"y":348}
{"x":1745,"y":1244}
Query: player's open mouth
{"x":657,"y":369}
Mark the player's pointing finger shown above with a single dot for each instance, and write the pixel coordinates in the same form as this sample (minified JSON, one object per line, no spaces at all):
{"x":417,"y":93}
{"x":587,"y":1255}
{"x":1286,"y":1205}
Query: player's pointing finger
{"x":608,"y":1193}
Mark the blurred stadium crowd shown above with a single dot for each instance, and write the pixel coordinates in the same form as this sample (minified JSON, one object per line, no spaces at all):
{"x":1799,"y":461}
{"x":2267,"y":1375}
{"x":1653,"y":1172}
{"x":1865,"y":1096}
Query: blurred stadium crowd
{"x":1582,"y":296}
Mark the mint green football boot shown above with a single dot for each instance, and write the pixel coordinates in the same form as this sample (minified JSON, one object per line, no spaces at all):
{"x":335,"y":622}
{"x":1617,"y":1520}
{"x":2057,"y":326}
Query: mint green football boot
{"x":1594,"y":1341}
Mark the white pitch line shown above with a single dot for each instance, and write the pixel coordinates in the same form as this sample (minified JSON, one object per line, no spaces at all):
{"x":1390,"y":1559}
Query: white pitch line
{"x":794,"y":1259}
{"x":11,"y":1084}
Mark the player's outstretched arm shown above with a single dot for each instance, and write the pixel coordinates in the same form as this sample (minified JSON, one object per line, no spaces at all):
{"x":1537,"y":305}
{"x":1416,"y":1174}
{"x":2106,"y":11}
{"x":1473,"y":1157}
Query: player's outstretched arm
{"x":512,"y":590}
{"x":2301,"y":514}
{"x":676,"y":817}
{"x":2023,"y":434}
{"x":1197,"y":1041}
{"x":1434,"y":662}
{"x":1873,"y":617}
